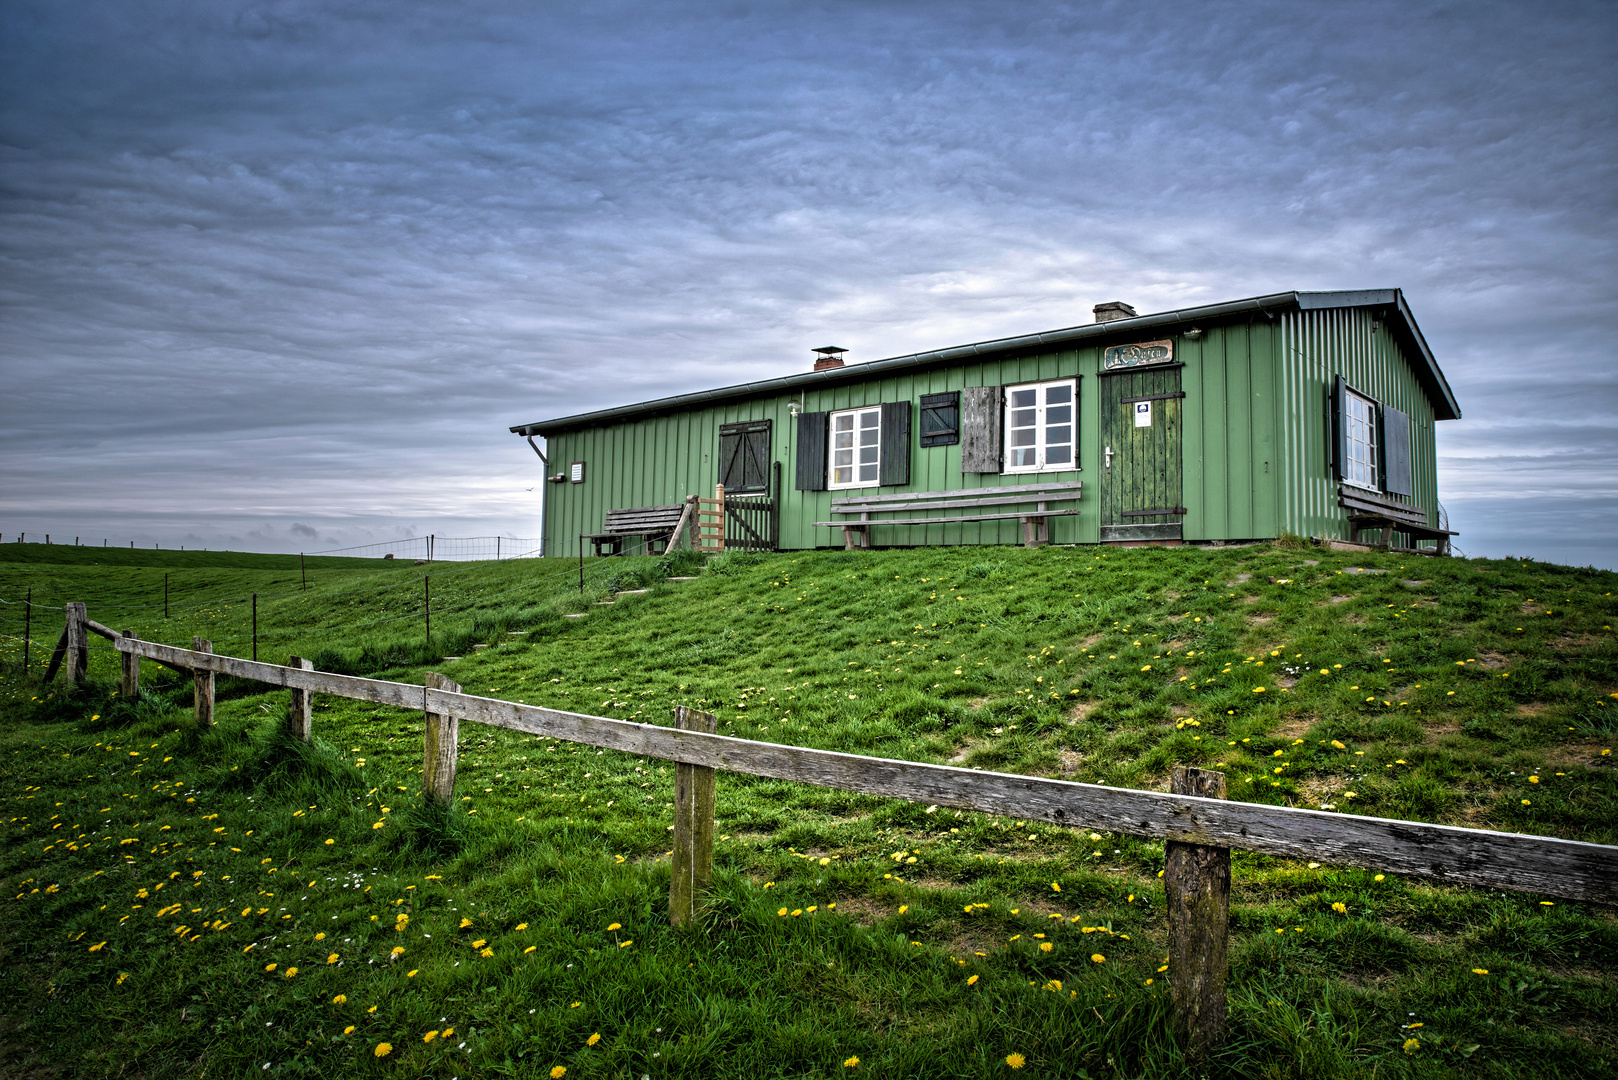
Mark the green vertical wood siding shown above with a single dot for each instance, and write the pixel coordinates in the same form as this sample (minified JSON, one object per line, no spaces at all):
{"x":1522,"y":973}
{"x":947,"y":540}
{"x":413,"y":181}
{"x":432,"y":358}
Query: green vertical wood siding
{"x":1254,"y":426}
{"x":1350,"y":342}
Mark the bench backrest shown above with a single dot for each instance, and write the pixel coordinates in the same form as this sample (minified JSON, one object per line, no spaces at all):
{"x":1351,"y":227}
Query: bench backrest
{"x":638,"y":519}
{"x":1058,"y":491}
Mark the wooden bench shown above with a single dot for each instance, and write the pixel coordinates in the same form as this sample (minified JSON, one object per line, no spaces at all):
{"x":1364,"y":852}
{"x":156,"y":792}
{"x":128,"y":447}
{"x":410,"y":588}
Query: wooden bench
{"x":650,"y":523}
{"x":1368,"y":510}
{"x":1035,"y":522}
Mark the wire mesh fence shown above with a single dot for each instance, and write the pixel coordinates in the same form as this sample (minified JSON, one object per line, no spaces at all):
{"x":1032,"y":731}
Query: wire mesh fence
{"x":435,"y":548}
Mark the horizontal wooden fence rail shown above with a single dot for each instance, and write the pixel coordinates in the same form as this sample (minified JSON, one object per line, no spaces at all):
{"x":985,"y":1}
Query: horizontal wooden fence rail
{"x":1476,"y":857}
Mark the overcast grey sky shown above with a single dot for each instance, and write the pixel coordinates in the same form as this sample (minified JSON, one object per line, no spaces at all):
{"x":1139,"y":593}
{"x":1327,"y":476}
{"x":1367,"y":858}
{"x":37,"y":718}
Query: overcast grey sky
{"x":281,"y":274}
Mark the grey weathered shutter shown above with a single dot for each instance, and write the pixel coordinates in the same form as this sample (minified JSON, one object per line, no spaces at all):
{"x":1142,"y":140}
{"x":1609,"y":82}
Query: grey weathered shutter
{"x":980,"y":429}
{"x":812,"y":451}
{"x":1396,"y":452}
{"x":1339,"y":448}
{"x":894,"y":470}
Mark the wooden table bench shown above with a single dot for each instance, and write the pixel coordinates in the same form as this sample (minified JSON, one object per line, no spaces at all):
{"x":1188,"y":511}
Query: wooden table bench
{"x":1035,"y":522}
{"x":1368,"y":510}
{"x":650,"y":523}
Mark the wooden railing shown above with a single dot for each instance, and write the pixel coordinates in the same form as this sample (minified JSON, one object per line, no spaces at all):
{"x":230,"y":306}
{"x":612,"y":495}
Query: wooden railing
{"x":1198,"y":824}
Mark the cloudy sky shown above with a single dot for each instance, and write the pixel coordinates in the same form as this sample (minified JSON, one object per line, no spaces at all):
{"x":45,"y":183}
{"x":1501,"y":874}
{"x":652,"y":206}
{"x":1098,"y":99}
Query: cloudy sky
{"x":280,"y":274}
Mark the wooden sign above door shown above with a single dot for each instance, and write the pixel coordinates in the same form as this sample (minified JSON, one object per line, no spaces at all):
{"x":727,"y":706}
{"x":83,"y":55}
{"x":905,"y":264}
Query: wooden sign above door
{"x":1147,"y":352}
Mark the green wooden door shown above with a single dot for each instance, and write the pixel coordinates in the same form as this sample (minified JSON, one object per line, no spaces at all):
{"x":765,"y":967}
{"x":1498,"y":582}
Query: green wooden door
{"x":1141,"y":488}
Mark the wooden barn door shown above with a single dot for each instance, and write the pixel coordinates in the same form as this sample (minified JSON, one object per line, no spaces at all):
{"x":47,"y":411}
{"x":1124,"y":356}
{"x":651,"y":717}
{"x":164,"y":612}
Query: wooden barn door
{"x":1140,"y":475}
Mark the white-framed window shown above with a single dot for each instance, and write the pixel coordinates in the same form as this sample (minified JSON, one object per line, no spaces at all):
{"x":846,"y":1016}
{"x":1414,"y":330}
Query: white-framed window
{"x":1041,"y":422}
{"x":1359,"y":441}
{"x":856,"y":448}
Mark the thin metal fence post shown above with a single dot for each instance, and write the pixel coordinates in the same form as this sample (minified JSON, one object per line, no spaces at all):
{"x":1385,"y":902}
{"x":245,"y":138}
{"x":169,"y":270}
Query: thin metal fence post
{"x":255,"y":627}
{"x":427,"y":605}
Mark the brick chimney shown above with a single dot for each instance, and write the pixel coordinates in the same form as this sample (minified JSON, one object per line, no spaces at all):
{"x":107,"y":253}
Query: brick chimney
{"x":1113,"y":310}
{"x":829,"y":356}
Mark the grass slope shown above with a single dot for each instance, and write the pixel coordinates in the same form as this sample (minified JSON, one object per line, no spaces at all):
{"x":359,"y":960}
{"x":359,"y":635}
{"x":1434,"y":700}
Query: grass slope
{"x":229,"y":901}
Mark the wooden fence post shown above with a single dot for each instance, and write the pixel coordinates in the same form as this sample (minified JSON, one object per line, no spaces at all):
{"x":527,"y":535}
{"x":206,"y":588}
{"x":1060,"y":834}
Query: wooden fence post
{"x":300,"y":722}
{"x":442,"y":747}
{"x":131,"y":681}
{"x":693,"y":825}
{"x":202,"y":687}
{"x":1196,"y":879}
{"x":78,"y":644}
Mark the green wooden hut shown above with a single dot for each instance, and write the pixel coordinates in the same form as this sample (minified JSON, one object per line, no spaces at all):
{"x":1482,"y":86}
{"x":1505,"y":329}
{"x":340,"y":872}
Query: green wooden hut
{"x":1304,"y":412}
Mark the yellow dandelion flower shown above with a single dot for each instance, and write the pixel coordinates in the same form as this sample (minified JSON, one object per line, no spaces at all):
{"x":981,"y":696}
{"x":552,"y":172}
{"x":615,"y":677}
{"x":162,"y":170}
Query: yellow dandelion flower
{"x":616,"y":926}
{"x":383,"y":1049}
{"x":398,"y":951}
{"x":96,"y":947}
{"x":339,"y":999}
{"x":1016,"y":1061}
{"x":330,"y":842}
{"x":558,"y":1071}
{"x":332,"y":959}
{"x":486,"y":953}
{"x":522,"y":926}
{"x":1055,"y":887}
{"x":530,"y":949}
{"x":1097,"y":958}
{"x":291,"y":971}
{"x":625,"y":944}
{"x":411,"y":974}
{"x":903,"y":908}
{"x":782,"y":913}
{"x":479,"y":943}
{"x":593,"y":1039}
{"x":429,"y":1037}
{"x":465,"y":923}
{"x":349,"y":1030}
{"x":1412,"y":1045}
{"x":372,"y":1009}
{"x":320,"y":936}
{"x":1340,"y":908}
{"x":271,"y":967}
{"x":852,"y":1063}
{"x":1480,"y":971}
{"x":1045,"y":946}
{"x":973,"y":981}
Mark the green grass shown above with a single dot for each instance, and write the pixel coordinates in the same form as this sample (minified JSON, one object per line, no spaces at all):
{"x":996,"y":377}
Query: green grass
{"x":1459,"y":682}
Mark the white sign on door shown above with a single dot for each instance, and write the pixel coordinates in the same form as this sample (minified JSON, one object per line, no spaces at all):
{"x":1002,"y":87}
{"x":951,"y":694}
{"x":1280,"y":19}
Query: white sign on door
{"x":1143,"y":414}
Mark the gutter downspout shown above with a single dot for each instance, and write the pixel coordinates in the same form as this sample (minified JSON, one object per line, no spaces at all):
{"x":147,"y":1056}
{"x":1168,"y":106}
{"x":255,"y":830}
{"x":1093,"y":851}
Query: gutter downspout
{"x":542,"y":499}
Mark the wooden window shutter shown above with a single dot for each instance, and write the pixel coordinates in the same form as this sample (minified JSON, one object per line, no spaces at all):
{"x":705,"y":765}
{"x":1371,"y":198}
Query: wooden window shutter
{"x":980,"y":429}
{"x":730,"y":457}
{"x":895,"y":461}
{"x":811,"y":472}
{"x":1396,"y":452}
{"x":744,"y":456}
{"x":1339,"y":448}
{"x":940,"y":419}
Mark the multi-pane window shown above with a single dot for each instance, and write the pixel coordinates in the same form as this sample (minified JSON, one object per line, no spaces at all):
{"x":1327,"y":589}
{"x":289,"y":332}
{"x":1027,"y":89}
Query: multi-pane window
{"x":856,"y":448}
{"x":1040,"y":425}
{"x":1359,"y":441}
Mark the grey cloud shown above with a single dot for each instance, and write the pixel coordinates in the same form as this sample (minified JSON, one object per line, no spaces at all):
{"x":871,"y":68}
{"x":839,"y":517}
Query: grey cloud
{"x":305,"y":261}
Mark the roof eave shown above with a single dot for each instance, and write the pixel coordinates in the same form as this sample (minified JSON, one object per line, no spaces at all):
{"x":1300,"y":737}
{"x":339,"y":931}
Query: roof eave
{"x":955,"y":354}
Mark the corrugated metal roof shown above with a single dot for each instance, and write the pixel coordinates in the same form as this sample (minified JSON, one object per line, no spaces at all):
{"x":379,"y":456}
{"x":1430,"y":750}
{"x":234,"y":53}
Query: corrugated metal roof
{"x":1405,"y":328}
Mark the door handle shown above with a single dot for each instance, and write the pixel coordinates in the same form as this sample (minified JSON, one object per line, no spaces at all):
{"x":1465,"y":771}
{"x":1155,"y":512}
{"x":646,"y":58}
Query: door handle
{"x":1109,"y":457}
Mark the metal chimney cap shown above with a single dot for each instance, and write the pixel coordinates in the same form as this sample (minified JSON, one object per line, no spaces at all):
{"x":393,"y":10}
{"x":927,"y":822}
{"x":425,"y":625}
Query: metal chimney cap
{"x":830,"y":350}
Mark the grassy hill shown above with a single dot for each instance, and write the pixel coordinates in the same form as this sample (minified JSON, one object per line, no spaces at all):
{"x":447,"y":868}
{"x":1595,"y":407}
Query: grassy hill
{"x":922,"y":943}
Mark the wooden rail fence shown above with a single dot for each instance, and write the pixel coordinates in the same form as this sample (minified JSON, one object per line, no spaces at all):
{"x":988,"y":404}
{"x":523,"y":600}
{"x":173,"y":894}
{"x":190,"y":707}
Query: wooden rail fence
{"x":1197,"y":823}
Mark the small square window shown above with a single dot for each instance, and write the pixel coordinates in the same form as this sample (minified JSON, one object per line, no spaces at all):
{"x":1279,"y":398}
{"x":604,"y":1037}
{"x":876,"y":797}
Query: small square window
{"x":575,"y":473}
{"x":941,"y":419}
{"x":1359,"y":441}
